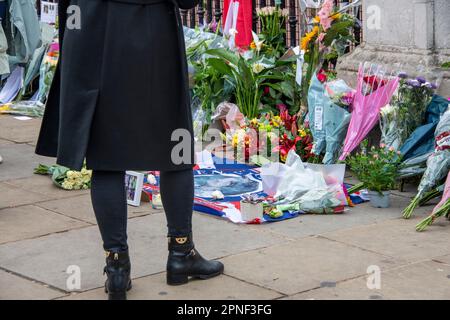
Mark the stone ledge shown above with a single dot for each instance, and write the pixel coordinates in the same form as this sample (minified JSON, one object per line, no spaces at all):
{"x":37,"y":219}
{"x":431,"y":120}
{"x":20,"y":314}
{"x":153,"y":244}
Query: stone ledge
{"x":401,"y":58}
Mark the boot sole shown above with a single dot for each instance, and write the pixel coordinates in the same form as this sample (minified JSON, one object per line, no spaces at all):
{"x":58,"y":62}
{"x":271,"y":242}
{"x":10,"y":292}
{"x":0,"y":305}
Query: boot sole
{"x":118,"y":295}
{"x":180,"y":279}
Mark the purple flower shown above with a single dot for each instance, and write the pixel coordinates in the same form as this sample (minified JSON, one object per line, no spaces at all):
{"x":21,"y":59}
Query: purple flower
{"x":433,"y":86}
{"x":413,"y":83}
{"x":421,"y":79}
{"x":403,"y":75}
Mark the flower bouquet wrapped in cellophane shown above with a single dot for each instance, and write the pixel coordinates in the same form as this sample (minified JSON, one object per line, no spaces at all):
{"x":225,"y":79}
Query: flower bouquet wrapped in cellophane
{"x":374,"y":91}
{"x":65,"y":178}
{"x":438,"y":164}
{"x":441,"y":209}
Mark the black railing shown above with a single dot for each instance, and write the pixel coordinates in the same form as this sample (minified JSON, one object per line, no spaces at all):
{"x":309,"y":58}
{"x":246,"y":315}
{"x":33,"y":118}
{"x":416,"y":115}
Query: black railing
{"x":208,"y":10}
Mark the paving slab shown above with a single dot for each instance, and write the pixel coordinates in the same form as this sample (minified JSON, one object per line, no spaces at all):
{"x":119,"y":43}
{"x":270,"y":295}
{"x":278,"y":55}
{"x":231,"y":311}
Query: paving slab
{"x":12,"y":196}
{"x":398,"y":238}
{"x":425,"y":280}
{"x":363,"y":214}
{"x":443,"y":259}
{"x":154,"y":287}
{"x":80,"y":207}
{"x":27,"y":222}
{"x":20,"y":131}
{"x":46,"y":258}
{"x":44,"y":185}
{"x":24,"y":289}
{"x":19,"y":161}
{"x":4,"y":142}
{"x":303,"y":264}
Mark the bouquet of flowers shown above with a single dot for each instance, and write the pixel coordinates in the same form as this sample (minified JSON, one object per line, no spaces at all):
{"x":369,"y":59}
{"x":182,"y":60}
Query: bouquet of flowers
{"x":65,"y":178}
{"x":441,"y":209}
{"x":407,"y":109}
{"x":329,"y":121}
{"x":273,"y":24}
{"x":438,"y":164}
{"x":374,"y":90}
{"x":329,"y":36}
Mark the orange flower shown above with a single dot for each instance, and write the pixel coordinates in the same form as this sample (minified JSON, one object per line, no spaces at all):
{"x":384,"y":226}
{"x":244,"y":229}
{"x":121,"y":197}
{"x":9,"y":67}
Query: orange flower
{"x":253,"y":45}
{"x":308,"y":37}
{"x":336,"y":16}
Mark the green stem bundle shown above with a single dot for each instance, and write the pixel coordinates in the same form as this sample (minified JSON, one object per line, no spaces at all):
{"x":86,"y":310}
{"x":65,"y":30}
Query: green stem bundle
{"x":356,"y":188}
{"x":444,"y":210}
{"x":407,"y":212}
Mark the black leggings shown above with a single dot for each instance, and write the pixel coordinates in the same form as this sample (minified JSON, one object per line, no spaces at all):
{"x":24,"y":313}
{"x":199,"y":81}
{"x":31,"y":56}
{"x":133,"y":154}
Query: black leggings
{"x":110,"y":205}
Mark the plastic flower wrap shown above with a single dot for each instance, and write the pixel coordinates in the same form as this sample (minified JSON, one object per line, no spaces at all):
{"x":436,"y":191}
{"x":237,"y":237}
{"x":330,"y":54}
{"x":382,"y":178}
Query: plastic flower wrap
{"x":302,"y":186}
{"x":421,"y":143}
{"x":374,"y":90}
{"x":438,"y":164}
{"x":441,"y":209}
{"x":328,"y":121}
{"x":391,"y":131}
{"x":407,"y":109}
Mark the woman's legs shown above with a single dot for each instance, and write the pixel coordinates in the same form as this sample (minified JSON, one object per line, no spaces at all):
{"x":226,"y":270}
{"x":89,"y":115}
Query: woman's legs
{"x":177,"y":196}
{"x":110,"y":207}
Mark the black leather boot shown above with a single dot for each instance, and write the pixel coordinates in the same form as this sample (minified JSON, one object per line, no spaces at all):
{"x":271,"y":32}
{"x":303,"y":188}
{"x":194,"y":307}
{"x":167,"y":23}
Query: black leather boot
{"x":117,"y":270}
{"x":184,"y":262}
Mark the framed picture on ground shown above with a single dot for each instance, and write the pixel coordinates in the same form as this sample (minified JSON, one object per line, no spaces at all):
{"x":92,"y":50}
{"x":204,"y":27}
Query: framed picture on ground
{"x":133,"y":187}
{"x":49,"y":11}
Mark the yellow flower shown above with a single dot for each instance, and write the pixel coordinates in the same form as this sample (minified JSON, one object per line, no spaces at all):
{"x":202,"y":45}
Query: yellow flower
{"x":235,"y":140}
{"x":67,"y":185}
{"x":302,"y":132}
{"x":258,"y":67}
{"x":254,"y":122}
{"x":316,"y":19}
{"x":276,"y":121}
{"x":253,"y":45}
{"x":336,"y":16}
{"x":305,"y":42}
{"x":308,"y":37}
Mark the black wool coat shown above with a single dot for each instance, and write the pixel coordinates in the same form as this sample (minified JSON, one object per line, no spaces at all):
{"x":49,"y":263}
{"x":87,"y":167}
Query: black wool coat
{"x":120,"y":88}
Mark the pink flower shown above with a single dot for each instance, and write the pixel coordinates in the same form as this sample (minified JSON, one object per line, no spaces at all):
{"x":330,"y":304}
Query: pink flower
{"x":320,"y":41}
{"x":324,"y":14}
{"x":382,"y":145}
{"x":391,"y":149}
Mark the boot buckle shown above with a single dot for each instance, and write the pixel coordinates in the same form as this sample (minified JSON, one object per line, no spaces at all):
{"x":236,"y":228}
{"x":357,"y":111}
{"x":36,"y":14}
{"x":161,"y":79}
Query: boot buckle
{"x":181,"y":240}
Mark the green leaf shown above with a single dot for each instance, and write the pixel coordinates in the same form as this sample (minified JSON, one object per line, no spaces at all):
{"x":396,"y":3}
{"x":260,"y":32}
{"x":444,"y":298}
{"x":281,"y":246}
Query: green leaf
{"x":220,"y":66}
{"x":224,"y":54}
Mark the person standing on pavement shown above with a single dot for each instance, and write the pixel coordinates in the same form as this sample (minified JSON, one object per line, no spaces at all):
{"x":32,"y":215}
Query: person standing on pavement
{"x":119,"y":96}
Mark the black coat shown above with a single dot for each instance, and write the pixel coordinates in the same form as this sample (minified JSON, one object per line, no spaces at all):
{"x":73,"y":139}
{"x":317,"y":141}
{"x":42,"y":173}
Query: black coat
{"x":120,"y":88}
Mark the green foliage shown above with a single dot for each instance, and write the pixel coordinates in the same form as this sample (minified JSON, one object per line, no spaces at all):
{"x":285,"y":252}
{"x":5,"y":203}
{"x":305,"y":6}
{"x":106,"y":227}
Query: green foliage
{"x":446,"y":65}
{"x":248,"y":76}
{"x":376,"y":168}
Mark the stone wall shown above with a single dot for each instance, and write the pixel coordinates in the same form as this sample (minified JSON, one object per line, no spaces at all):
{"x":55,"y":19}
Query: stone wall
{"x":407,"y":35}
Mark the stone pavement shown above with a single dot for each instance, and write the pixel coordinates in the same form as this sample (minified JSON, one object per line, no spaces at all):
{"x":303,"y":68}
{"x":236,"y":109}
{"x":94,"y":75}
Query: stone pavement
{"x":44,"y":230}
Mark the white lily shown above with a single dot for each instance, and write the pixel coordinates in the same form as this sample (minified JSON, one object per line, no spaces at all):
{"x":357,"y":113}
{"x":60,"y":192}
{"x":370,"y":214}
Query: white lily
{"x":258,"y":43}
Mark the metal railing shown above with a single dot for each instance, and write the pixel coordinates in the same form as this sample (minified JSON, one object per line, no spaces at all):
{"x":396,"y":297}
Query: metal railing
{"x":296,"y":24}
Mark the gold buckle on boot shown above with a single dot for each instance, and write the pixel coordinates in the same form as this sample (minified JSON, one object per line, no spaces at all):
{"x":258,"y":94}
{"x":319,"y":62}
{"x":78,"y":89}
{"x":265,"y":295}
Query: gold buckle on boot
{"x":181,"y":240}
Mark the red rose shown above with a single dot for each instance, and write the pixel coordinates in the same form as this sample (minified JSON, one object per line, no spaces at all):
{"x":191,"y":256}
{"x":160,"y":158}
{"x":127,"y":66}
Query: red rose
{"x":322,"y":77}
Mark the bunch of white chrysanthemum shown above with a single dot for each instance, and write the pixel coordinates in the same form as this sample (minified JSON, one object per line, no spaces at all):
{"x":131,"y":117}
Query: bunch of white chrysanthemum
{"x":77,"y":180}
